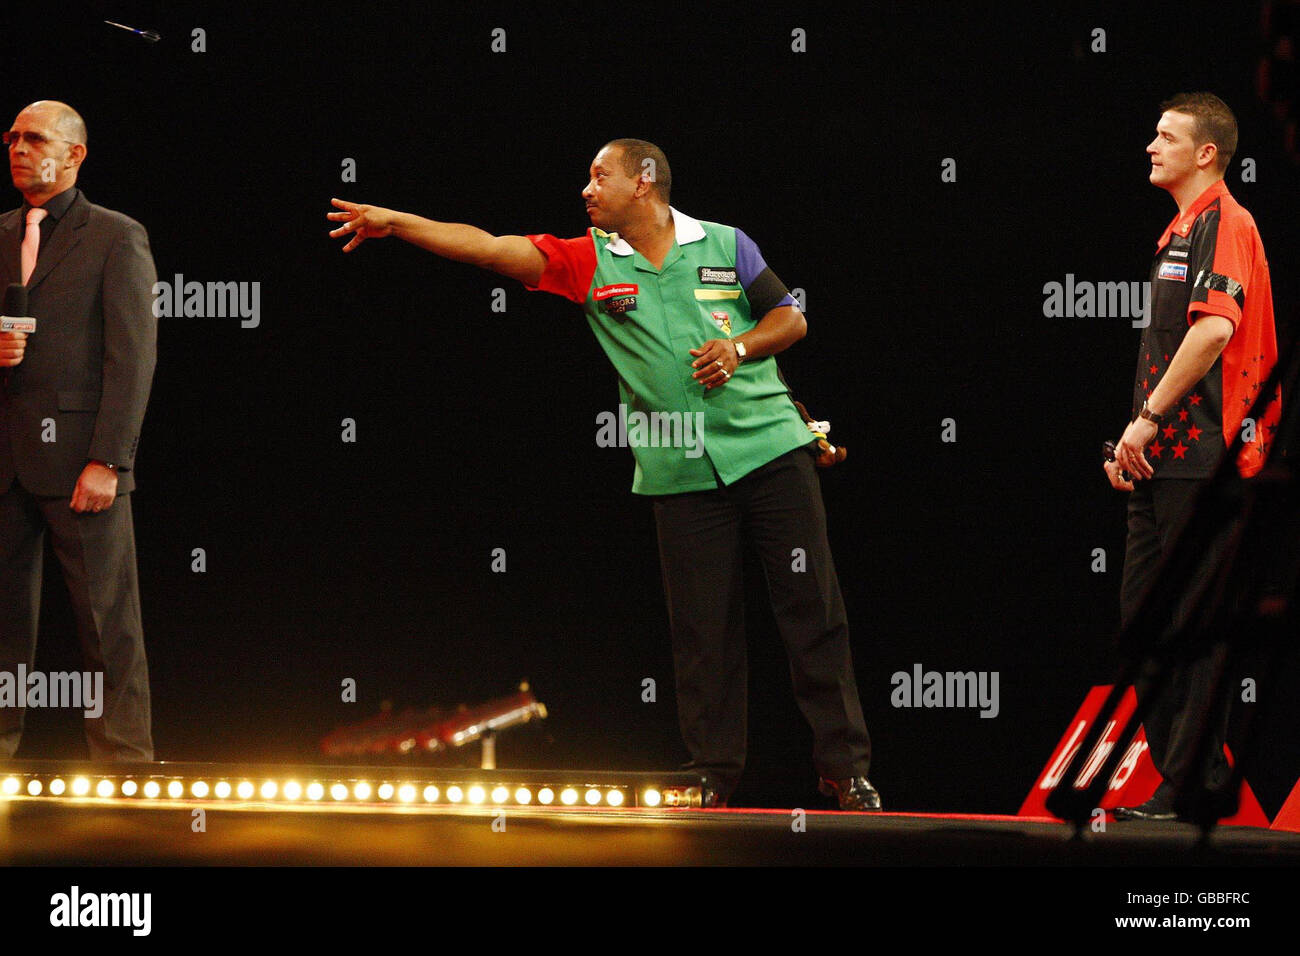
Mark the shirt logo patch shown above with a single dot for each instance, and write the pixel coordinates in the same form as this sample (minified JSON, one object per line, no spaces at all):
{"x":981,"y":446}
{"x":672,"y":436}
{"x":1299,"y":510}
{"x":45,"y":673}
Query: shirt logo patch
{"x":717,"y":275}
{"x":617,"y":299}
{"x":1173,"y":270}
{"x":606,"y":291}
{"x":723,"y":321}
{"x":620,"y":305}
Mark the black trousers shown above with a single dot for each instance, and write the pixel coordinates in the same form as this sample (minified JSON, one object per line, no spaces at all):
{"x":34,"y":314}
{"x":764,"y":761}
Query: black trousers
{"x":97,"y":554}
{"x":1156,"y":510}
{"x":775,"y":509}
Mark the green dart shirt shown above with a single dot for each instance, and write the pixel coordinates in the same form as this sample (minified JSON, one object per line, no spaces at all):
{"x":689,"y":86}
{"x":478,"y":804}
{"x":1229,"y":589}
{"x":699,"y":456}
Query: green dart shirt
{"x":713,"y":284}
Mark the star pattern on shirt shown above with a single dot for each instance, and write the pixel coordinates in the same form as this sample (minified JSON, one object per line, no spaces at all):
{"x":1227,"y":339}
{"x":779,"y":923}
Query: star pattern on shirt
{"x":1188,"y":419}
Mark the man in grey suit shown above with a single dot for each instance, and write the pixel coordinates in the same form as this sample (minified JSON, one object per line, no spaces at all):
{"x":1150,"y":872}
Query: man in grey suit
{"x":72,"y":399}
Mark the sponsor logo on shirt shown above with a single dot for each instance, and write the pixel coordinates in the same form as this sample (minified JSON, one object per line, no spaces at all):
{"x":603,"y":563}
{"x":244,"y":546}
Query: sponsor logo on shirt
{"x":723,"y":321}
{"x":1173,"y":270}
{"x":605,"y":291}
{"x":717,"y":275}
{"x":619,"y":306}
{"x":617,"y":299}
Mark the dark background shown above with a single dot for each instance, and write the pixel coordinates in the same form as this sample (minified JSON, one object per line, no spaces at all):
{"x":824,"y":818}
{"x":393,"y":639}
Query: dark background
{"x":328,"y":560}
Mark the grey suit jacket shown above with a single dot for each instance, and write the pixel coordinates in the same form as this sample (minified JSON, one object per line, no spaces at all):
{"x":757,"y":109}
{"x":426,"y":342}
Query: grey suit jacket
{"x":89,"y":365}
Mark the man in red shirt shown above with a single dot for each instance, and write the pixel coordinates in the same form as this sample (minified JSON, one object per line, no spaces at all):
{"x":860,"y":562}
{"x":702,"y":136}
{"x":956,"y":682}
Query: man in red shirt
{"x":1207,"y":351}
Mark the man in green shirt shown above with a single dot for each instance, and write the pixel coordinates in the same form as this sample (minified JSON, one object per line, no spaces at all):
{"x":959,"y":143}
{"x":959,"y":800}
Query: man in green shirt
{"x":718,"y":443}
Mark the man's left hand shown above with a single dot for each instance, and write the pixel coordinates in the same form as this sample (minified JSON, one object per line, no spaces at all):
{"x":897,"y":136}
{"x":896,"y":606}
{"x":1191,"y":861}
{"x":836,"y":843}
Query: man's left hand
{"x":717,"y":361}
{"x":96,"y":488}
{"x":1129,"y":449}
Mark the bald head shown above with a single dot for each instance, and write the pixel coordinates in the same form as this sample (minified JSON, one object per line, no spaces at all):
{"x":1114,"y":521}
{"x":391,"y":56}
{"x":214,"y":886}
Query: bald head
{"x":47,"y":146}
{"x":62,"y":118}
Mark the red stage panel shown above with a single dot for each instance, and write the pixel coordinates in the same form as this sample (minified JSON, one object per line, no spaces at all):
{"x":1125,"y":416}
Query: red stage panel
{"x":1288,"y":818}
{"x":1134,"y":780}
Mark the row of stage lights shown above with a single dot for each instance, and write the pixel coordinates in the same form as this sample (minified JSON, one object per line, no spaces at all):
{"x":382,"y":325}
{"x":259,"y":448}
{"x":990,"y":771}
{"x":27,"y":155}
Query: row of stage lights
{"x":291,"y":791}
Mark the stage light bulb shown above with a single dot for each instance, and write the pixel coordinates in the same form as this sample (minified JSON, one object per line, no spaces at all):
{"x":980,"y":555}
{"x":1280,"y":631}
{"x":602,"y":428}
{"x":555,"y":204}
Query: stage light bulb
{"x":361,"y":791}
{"x":651,"y":798}
{"x":315,"y":791}
{"x":454,"y":794}
{"x":614,"y":798}
{"x":57,"y":786}
{"x":105,"y":788}
{"x":406,"y":793}
{"x":199,"y":788}
{"x":10,"y":786}
{"x":546,"y":796}
{"x":244,"y":790}
{"x":222,"y":789}
{"x":33,"y":787}
{"x":523,"y":795}
{"x":80,"y":787}
{"x":269,"y":790}
{"x":386,"y":791}
{"x":500,"y":795}
{"x":339,"y":792}
{"x":292,"y":790}
{"x":152,"y":789}
{"x":431,"y":794}
{"x":593,"y":797}
{"x":477,"y":794}
{"x":175,"y":789}
{"x":129,"y":788}
{"x":568,"y":796}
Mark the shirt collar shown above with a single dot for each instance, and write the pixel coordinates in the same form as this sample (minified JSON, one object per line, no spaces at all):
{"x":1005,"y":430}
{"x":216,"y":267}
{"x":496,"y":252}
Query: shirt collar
{"x":688,"y":230}
{"x":56,"y":207}
{"x":1182,"y":224}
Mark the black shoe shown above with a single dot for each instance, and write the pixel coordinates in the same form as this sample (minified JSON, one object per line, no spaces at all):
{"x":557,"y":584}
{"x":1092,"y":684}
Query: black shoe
{"x":854,"y":793}
{"x":1153,"y":810}
{"x":712,"y":799}
{"x":715,"y":791}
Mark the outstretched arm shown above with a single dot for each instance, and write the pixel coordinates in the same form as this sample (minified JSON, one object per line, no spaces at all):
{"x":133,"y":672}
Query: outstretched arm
{"x":512,"y":256}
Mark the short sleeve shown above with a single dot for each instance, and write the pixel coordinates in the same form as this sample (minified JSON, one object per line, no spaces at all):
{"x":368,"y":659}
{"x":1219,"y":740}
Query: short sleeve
{"x":762,"y":287}
{"x":1221,"y":259}
{"x":570,"y":266}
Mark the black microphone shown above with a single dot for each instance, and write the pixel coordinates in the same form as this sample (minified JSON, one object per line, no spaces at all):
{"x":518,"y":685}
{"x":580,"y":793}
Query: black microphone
{"x":15,"y":317}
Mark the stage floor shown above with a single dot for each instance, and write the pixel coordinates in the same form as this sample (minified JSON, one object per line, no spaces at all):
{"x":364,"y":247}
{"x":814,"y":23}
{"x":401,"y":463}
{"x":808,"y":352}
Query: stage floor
{"x":90,"y":832}
{"x":59,"y":813}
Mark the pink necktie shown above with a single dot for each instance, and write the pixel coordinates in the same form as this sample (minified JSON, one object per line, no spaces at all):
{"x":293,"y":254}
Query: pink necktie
{"x":31,"y":241}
